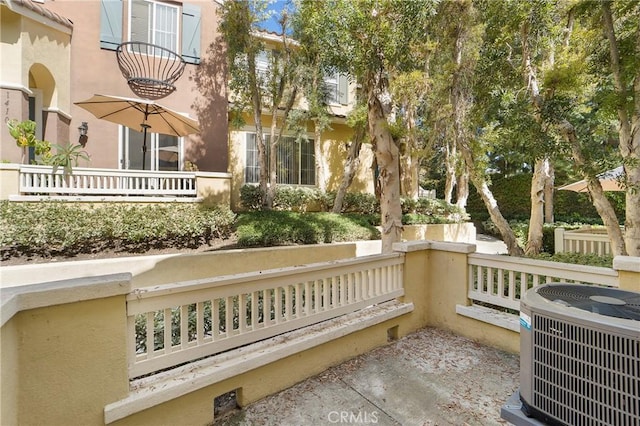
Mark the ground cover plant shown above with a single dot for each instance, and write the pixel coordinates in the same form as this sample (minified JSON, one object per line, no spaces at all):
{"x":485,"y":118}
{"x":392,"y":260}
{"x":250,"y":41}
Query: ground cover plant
{"x":56,"y":229}
{"x":62,"y":229}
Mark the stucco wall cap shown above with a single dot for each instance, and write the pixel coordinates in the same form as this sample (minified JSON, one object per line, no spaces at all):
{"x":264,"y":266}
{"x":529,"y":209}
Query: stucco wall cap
{"x":626,"y":263}
{"x":410,"y":246}
{"x":20,"y":298}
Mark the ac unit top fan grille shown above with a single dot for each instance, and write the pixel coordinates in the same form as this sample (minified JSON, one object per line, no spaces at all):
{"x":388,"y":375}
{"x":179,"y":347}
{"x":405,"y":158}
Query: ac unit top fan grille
{"x":601,"y":300}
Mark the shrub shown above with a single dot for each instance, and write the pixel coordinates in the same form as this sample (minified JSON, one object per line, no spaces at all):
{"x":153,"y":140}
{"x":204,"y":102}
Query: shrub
{"x":578,"y":259}
{"x":271,"y":228}
{"x":512,"y":195}
{"x":57,"y":228}
{"x":287,"y":198}
{"x":355,"y":202}
{"x":420,"y":211}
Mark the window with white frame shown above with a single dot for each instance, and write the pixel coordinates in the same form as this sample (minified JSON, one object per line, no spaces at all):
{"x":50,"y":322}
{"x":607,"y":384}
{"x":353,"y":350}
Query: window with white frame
{"x":157,"y":22}
{"x":164,"y":152}
{"x":336,"y":88}
{"x":295,"y":158}
{"x":154,"y":22}
{"x":331,"y":88}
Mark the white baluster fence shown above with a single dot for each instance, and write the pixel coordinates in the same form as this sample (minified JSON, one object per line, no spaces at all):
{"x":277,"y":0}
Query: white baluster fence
{"x":501,"y":280}
{"x":176,"y":323}
{"x":587,"y":241}
{"x":37,"y":180}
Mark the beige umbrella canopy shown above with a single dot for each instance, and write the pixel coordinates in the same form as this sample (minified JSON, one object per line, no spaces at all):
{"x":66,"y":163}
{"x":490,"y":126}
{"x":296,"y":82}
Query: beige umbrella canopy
{"x":140,"y":113}
{"x":609,"y":181}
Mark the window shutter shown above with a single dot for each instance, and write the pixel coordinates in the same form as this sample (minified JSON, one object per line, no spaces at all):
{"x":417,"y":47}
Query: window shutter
{"x":191,"y":33}
{"x":139,"y":21}
{"x":343,"y":89}
{"x":110,"y":24}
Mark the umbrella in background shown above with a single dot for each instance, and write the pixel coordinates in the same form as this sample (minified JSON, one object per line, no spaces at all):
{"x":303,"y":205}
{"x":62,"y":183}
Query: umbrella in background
{"x":140,"y":113}
{"x":608,"y":180}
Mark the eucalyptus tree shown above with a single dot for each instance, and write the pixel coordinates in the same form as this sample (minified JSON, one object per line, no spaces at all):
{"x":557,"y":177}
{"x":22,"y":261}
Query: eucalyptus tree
{"x":372,"y":41}
{"x":357,"y":120}
{"x":312,"y":69}
{"x":518,"y":44}
{"x":621,"y":25}
{"x":260,"y":82}
{"x":457,"y":107}
{"x":579,"y":63}
{"x":409,"y":92}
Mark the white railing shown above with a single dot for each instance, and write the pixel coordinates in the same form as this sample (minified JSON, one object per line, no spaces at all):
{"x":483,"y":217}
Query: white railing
{"x":582,"y":241}
{"x":501,"y":280}
{"x":176,"y":323}
{"x":36,"y":180}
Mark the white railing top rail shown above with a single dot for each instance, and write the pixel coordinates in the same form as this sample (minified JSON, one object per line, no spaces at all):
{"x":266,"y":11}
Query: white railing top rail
{"x":586,"y":237}
{"x":501,"y":280}
{"x":88,"y":181}
{"x":567,"y":271}
{"x":207,"y":316}
{"x":86,"y":171}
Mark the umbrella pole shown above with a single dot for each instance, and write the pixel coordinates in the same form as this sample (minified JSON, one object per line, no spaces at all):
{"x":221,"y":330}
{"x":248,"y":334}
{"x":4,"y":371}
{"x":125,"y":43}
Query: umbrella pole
{"x":144,"y":143}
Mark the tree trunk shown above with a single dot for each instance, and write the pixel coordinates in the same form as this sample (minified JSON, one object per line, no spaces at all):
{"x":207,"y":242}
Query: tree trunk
{"x":256,"y":97}
{"x":534,"y":238}
{"x":450,"y":170}
{"x":501,"y":223}
{"x":387,"y":155}
{"x":273,"y":164}
{"x":549,"y":184}
{"x":629,"y":133}
{"x":409,"y":158}
{"x":276,"y":135}
{"x":480,"y":183}
{"x":321,"y":178}
{"x":632,"y":199}
{"x":462,"y":189}
{"x":600,"y":202}
{"x":350,"y":167}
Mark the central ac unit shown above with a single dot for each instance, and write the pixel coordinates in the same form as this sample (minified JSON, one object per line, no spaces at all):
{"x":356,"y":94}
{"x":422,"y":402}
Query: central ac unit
{"x":580,"y":355}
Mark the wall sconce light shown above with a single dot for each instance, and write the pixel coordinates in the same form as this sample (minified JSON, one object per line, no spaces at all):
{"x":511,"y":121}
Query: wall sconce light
{"x":83,"y":128}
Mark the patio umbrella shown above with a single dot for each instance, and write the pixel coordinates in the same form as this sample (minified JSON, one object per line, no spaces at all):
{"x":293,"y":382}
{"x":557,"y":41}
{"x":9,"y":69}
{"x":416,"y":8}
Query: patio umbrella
{"x":140,"y":113}
{"x":608,"y":180}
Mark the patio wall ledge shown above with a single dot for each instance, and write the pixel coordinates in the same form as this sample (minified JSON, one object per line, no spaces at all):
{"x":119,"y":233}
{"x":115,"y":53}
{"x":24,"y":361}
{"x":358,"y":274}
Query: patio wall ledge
{"x":628,"y":268}
{"x":22,"y":298}
{"x":411,"y":246}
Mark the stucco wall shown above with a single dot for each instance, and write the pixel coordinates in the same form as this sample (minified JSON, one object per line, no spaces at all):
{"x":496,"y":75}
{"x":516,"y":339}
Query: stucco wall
{"x":200,"y":92}
{"x":34,"y":61}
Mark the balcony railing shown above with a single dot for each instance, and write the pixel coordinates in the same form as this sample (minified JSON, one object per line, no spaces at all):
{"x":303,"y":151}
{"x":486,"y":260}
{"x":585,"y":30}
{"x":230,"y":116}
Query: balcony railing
{"x":180,"y":322}
{"x":45,"y":180}
{"x":501,"y":280}
{"x":587,"y":241}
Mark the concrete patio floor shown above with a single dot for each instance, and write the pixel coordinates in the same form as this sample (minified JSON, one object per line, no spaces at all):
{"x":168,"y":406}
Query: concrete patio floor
{"x":431,"y":377}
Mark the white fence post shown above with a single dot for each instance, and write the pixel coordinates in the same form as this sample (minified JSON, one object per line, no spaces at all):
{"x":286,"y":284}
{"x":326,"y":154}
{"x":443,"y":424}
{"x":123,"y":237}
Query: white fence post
{"x":558,"y":235}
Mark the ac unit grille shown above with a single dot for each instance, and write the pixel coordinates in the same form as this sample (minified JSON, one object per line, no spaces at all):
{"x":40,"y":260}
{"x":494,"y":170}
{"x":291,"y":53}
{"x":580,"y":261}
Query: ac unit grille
{"x":583,"y":376}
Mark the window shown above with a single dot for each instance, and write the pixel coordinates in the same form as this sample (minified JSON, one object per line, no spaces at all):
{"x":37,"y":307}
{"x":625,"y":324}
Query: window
{"x":296,"y":161}
{"x":163,"y":151}
{"x":331,"y":88}
{"x":262,"y":63}
{"x":336,"y":88}
{"x":153,"y":22}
